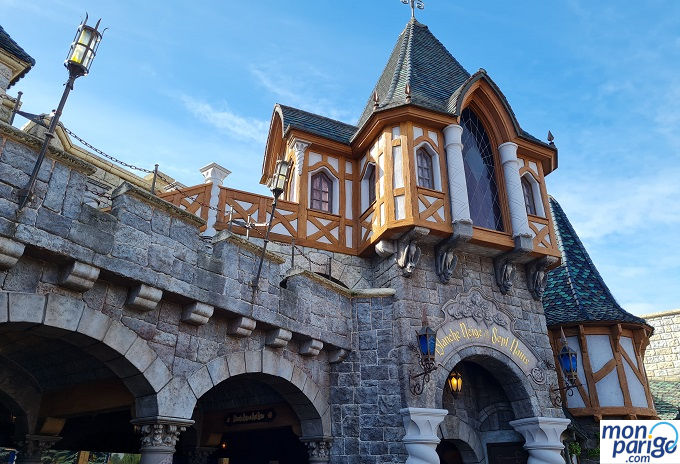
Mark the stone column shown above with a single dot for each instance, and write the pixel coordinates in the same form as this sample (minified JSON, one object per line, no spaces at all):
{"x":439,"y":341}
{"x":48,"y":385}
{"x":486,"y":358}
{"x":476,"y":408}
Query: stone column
{"x":159,"y":436}
{"x":458,"y":195}
{"x":421,"y":438}
{"x":542,"y":438}
{"x":318,"y":450}
{"x":213,"y":174}
{"x":32,"y":448}
{"x":513,"y":185}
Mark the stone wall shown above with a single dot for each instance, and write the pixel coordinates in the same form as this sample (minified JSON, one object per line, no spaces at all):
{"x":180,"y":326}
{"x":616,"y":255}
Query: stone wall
{"x":662,"y":358}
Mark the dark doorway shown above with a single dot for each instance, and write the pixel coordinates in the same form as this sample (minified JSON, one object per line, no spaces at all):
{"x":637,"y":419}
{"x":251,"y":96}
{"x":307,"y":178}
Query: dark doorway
{"x":506,"y":453}
{"x":278,"y":445}
{"x":448,"y":453}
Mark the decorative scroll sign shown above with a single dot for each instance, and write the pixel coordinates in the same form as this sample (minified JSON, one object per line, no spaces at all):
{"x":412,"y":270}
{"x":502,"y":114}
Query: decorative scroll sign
{"x":472,"y":320}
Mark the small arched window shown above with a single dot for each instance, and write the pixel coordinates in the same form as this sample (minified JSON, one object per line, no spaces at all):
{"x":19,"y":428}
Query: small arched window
{"x":370,"y":178}
{"x":528,"y":191}
{"x":425,"y":172}
{"x":480,"y":173}
{"x":322,"y":192}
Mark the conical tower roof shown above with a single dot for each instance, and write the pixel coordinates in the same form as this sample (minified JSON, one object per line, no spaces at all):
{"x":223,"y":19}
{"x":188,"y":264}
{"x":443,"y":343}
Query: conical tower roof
{"x":575,"y":291}
{"x":420,"y":60}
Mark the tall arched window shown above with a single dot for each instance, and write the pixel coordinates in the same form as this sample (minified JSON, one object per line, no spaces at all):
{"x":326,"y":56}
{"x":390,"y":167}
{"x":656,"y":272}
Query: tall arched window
{"x":480,"y":173}
{"x":425,"y":172}
{"x":322,"y":192}
{"x":370,"y":176}
{"x":528,"y":191}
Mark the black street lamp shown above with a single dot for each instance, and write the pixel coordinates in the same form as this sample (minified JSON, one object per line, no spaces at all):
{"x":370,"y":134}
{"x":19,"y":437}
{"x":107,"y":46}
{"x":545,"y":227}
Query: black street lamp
{"x":78,"y":62}
{"x":277,"y":185}
{"x":427,"y":342}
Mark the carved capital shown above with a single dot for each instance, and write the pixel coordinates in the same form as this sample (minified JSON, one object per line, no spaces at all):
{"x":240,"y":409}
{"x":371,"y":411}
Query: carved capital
{"x":32,"y":447}
{"x":299,"y":146}
{"x":78,"y":276}
{"x":542,"y":438}
{"x":319,"y":451}
{"x":197,"y":313}
{"x":144,"y":297}
{"x":160,"y":434}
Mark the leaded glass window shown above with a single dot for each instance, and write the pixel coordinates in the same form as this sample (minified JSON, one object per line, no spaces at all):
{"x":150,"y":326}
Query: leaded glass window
{"x":480,"y":173}
{"x":371,"y":183}
{"x":425,"y":173}
{"x":322,"y":192}
{"x":528,"y":196}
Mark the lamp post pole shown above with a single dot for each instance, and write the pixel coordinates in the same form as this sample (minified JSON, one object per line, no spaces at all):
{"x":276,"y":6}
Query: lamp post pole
{"x":26,"y":193}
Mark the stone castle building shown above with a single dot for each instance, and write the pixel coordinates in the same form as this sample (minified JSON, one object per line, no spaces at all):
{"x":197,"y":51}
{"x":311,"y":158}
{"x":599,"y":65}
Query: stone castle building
{"x":128,"y":314}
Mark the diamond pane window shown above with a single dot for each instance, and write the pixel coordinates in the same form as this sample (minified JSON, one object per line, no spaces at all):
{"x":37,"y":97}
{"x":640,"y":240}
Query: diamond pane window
{"x":480,"y":174}
{"x":322,"y":192}
{"x":424,"y":162}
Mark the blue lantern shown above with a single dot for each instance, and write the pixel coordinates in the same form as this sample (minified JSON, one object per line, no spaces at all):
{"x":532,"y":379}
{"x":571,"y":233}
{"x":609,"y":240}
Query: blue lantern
{"x":569,"y":363}
{"x":427,"y":341}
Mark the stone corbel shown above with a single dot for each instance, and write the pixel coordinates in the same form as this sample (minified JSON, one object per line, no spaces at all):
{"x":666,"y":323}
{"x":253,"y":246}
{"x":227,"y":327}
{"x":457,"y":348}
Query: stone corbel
{"x":445,"y":259}
{"x":311,"y":347}
{"x":241,"y":326}
{"x":504,"y":264}
{"x":337,"y":356}
{"x":537,"y":275}
{"x":406,"y":250}
{"x":144,"y":297}
{"x":197,"y":313}
{"x":78,"y":276}
{"x":278,"y":338}
{"x":10,"y":252}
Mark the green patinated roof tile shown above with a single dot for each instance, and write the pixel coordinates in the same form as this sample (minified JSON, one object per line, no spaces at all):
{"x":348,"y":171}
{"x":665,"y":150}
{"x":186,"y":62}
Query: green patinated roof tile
{"x":575,"y":291}
{"x":666,"y":396}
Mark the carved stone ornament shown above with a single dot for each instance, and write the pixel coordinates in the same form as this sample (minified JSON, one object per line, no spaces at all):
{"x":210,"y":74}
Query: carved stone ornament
{"x":408,"y":257}
{"x":160,"y":435}
{"x":537,"y":276}
{"x":299,"y":148}
{"x":32,"y":447}
{"x":504,"y":271}
{"x":445,"y":264}
{"x":474,"y":305}
{"x":319,"y":451}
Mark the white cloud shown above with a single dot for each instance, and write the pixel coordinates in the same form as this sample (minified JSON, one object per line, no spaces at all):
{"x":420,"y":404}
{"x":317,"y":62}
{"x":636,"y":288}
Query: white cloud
{"x":245,"y":128}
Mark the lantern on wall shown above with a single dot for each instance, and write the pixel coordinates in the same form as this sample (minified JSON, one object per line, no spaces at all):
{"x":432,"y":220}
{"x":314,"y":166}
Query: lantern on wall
{"x":569,"y":363}
{"x":455,"y":382}
{"x":427,"y":342}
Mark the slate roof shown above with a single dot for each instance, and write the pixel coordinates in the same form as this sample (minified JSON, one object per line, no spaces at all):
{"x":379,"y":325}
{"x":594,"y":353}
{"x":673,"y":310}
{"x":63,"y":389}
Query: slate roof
{"x":575,"y":291}
{"x":294,"y":118}
{"x":420,"y":59}
{"x":666,"y":397}
{"x":11,"y":47}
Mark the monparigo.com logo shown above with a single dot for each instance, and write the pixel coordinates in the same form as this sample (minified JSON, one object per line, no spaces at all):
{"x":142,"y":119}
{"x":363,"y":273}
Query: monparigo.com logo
{"x":625,"y":441}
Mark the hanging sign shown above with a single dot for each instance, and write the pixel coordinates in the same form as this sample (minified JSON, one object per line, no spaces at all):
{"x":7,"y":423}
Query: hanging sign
{"x":256,"y":416}
{"x":472,"y":320}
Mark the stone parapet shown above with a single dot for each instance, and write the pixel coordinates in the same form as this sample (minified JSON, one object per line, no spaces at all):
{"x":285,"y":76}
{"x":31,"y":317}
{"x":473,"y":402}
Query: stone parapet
{"x":662,"y":357}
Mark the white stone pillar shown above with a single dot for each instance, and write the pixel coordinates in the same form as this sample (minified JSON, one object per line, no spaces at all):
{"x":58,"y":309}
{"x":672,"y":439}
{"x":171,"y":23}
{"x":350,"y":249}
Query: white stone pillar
{"x":421,"y":438}
{"x":159,"y":436}
{"x":542,"y":438}
{"x":458,"y":195}
{"x":513,"y":186}
{"x":213,"y":174}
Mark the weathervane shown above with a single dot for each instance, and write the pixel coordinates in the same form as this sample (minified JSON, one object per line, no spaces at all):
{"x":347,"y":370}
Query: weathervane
{"x":414,"y":4}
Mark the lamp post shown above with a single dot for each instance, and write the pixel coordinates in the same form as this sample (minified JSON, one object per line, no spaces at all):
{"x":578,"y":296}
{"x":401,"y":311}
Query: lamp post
{"x":78,"y":62}
{"x":277,"y":184}
{"x":427,"y":341}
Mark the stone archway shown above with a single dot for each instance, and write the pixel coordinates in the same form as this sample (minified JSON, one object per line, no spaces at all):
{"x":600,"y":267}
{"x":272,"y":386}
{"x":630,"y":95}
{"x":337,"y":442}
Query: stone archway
{"x":67,"y":319}
{"x":465,"y":438}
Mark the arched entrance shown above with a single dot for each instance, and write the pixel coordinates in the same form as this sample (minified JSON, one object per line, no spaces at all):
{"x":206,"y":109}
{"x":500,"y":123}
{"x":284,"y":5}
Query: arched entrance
{"x":70,"y":378}
{"x":257,"y":418}
{"x":478,"y":425}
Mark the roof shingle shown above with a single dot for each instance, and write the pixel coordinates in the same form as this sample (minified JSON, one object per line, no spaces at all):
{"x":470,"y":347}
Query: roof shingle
{"x":10,"y":46}
{"x":575,"y":291}
{"x":294,"y":118}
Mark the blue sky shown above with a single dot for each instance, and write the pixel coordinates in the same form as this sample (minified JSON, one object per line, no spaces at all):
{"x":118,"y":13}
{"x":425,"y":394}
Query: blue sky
{"x":184,"y":84}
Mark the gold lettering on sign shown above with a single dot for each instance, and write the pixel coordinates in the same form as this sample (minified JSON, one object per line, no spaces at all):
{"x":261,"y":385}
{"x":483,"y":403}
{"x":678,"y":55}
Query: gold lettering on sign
{"x":495,"y":337}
